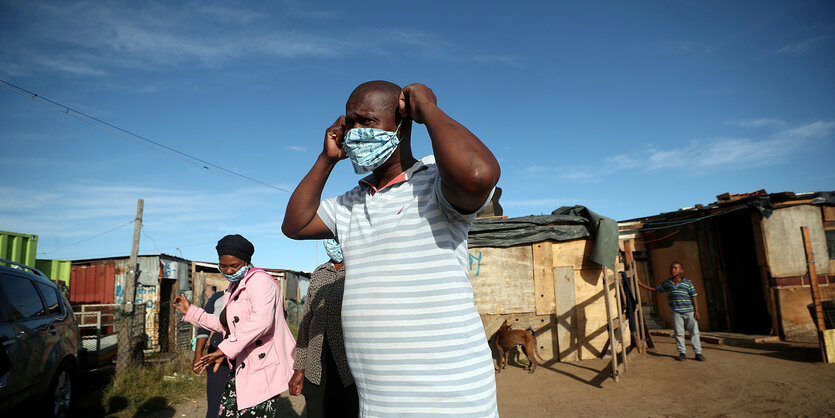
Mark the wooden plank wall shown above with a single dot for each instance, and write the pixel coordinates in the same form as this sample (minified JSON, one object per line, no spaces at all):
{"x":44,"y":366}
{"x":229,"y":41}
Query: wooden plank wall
{"x":502,"y":279}
{"x":566,"y":316}
{"x":784,"y":244}
{"x":786,"y":257}
{"x":550,"y":287}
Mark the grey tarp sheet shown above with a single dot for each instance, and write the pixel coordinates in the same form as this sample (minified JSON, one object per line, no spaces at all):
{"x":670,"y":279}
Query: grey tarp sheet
{"x":605,"y":233}
{"x":574,"y":223}
{"x":504,"y":233}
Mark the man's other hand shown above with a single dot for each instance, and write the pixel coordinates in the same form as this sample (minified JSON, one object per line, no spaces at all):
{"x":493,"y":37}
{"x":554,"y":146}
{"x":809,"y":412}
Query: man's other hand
{"x":413,"y":100}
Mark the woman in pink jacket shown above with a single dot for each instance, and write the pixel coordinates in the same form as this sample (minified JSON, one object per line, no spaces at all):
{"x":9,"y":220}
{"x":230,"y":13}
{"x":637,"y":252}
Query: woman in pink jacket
{"x":256,"y":340}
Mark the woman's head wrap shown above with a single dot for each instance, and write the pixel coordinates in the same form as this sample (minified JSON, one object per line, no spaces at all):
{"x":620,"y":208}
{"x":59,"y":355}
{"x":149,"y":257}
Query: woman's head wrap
{"x":236,"y":246}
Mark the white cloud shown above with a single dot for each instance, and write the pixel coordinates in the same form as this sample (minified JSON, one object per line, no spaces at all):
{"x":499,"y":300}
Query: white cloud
{"x":717,"y":153}
{"x":804,"y":46}
{"x":95,"y":39}
{"x":536,"y":169}
{"x":67,"y":65}
{"x":99,"y":204}
{"x":297,"y":148}
{"x":547,"y":203}
{"x":757,"y":123}
{"x":297,"y":11}
{"x":223,"y":13}
{"x":815,"y":130}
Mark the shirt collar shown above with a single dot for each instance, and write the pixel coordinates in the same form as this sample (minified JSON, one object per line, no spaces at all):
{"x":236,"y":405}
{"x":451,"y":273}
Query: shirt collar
{"x":418,"y":166}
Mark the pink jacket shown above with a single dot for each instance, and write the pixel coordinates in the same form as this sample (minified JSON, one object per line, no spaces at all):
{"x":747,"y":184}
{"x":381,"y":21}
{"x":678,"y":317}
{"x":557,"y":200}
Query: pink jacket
{"x":259,"y":340}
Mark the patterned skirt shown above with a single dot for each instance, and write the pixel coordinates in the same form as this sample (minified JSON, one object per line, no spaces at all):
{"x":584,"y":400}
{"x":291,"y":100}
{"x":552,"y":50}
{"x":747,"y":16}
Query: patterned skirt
{"x":229,"y":404}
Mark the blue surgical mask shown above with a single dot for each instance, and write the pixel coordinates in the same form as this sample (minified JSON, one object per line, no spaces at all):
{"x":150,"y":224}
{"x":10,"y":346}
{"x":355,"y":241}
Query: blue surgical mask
{"x":333,"y":250}
{"x":368,"y":148}
{"x":237,"y":276}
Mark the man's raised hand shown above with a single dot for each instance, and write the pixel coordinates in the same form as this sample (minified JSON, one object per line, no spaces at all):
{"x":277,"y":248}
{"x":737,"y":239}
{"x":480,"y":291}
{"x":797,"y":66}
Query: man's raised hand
{"x":413,"y":99}
{"x":334,"y":137}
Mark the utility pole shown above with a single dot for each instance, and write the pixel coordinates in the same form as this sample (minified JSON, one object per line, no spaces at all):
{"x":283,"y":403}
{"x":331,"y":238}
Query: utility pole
{"x":133,"y":274}
{"x":124,"y":354}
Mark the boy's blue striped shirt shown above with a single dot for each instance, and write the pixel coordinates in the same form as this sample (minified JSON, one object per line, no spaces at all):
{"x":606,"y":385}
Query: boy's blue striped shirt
{"x":678,"y":295}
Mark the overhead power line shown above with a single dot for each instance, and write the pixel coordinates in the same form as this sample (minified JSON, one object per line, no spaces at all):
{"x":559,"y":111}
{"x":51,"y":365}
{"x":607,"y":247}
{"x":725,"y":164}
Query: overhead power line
{"x":124,"y":133}
{"x":88,"y":238}
{"x":142,"y":227}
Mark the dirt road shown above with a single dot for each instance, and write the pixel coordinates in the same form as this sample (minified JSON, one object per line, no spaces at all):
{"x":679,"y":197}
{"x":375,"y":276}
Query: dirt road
{"x":771,"y":379}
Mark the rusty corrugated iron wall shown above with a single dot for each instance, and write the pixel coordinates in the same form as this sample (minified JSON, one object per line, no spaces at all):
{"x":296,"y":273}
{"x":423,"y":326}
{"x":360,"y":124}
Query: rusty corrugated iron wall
{"x":93,"y":284}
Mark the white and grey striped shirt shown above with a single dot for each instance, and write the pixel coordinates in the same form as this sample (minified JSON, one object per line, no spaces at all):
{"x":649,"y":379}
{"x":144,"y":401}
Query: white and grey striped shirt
{"x":414,"y":340}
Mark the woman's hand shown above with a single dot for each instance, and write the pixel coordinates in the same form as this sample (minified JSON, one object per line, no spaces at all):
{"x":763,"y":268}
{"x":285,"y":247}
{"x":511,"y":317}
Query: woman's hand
{"x":297,"y":382}
{"x":194,"y":366}
{"x":215,"y":357}
{"x":182,"y":304}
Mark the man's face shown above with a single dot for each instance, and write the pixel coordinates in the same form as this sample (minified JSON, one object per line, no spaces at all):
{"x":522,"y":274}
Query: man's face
{"x":369,"y":109}
{"x":676,"y":270}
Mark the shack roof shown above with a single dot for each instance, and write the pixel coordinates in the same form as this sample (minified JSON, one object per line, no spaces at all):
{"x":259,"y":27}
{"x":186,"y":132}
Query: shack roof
{"x":126,"y":257}
{"x":211,"y":266}
{"x":760,"y":201}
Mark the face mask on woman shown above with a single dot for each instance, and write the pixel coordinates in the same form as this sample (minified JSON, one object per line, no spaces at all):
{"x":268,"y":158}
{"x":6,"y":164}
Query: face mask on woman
{"x":333,"y":250}
{"x":368,"y":148}
{"x":237,"y":276}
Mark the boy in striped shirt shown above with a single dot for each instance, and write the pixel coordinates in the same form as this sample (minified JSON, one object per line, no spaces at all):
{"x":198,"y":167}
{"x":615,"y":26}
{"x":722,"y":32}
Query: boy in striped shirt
{"x":681,"y":296}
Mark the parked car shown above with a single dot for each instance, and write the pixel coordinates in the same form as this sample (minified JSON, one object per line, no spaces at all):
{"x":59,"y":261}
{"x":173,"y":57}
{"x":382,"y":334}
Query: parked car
{"x":39,"y":336}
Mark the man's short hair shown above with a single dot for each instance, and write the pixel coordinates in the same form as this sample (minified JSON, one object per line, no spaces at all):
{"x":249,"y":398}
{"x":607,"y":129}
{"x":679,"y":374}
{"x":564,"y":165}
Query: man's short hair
{"x":390,"y":92}
{"x":677,"y":262}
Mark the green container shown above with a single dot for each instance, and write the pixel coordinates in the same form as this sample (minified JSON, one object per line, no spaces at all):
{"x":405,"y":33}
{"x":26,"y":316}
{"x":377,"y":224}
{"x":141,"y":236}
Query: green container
{"x":20,"y":248}
{"x":55,"y":269}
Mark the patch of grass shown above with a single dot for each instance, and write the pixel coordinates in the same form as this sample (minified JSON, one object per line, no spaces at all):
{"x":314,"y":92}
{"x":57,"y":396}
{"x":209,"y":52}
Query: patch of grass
{"x":154,"y":387}
{"x":294,"y":330}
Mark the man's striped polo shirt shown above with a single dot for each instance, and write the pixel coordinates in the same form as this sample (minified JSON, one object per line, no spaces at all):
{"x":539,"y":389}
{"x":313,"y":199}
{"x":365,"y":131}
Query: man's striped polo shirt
{"x":678,"y":295}
{"x":414,"y":340}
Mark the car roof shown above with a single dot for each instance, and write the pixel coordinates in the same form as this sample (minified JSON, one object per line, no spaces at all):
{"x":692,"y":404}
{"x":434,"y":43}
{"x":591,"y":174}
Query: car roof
{"x":23,"y":269}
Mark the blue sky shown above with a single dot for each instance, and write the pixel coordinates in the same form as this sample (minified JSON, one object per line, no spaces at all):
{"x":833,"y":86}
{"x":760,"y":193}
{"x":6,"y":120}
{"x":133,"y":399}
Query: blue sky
{"x":630,"y":109}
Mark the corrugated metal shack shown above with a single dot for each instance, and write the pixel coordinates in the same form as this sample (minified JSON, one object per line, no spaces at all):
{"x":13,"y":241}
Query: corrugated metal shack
{"x":745,"y":255}
{"x":537,"y":272}
{"x":161,"y":278}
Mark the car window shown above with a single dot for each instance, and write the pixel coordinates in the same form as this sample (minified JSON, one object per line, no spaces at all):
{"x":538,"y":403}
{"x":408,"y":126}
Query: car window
{"x":50,"y":296}
{"x":5,"y":307}
{"x":24,"y":301}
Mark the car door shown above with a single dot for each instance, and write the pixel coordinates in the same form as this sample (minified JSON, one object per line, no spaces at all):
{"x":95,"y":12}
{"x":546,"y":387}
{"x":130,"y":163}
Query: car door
{"x":56,"y":329}
{"x":23,"y":323}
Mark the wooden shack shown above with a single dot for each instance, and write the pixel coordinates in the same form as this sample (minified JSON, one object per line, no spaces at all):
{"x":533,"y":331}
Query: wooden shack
{"x":542,"y":278}
{"x":746,"y":257}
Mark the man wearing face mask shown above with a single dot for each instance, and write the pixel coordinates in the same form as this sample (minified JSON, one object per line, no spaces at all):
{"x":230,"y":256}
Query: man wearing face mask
{"x":414,"y":340}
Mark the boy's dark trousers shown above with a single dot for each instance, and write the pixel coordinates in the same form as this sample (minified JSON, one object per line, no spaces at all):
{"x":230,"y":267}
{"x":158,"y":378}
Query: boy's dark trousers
{"x":329,"y":398}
